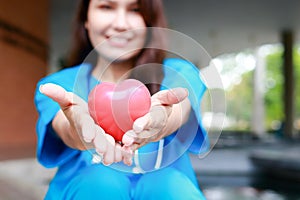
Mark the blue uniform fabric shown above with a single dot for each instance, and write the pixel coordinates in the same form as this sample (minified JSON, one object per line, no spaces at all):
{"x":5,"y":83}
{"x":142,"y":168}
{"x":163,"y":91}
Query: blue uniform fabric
{"x":78,"y":178}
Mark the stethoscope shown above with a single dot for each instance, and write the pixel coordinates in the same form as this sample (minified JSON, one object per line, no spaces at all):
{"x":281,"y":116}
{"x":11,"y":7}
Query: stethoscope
{"x":138,"y":169}
{"x":97,"y":159}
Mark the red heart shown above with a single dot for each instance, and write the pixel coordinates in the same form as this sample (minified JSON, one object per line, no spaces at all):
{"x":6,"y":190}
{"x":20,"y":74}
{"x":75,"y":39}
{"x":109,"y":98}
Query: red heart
{"x":115,"y":107}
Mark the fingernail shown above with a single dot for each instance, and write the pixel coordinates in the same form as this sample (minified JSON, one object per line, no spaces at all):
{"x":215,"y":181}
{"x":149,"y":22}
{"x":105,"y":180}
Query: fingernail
{"x":106,"y":164}
{"x":128,"y":162}
{"x":100,"y":153}
{"x":88,"y":140}
{"x":138,"y":128}
{"x":96,"y":159}
{"x":186,"y":92}
{"x":127,"y":140}
{"x":41,"y":88}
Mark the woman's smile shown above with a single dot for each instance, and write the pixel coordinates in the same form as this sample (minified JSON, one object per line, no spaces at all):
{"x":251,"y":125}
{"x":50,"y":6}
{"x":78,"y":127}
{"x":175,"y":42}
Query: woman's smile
{"x":120,"y":40}
{"x":118,"y":27}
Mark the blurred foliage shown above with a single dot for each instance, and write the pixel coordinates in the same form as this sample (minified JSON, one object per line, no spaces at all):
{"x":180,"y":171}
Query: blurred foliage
{"x":297,"y":82}
{"x":239,"y":96}
{"x":239,"y":103}
{"x":274,"y":87}
{"x":274,"y":90}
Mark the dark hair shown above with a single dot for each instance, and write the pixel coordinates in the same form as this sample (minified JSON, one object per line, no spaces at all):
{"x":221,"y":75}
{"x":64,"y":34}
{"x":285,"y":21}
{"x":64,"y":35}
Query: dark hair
{"x":153,"y":14}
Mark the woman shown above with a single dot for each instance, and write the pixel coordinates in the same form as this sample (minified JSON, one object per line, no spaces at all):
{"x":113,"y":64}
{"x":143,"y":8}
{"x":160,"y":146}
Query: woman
{"x":152,"y":160}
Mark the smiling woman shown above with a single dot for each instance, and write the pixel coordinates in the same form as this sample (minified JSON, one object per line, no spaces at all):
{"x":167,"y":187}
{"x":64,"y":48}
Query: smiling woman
{"x":150,"y":161}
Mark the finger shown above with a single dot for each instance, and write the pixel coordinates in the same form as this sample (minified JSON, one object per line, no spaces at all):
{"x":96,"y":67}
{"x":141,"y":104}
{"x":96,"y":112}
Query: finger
{"x":100,"y":141}
{"x":128,"y":138}
{"x":170,"y":97}
{"x":136,"y":146}
{"x":57,"y":93}
{"x":155,"y":119}
{"x":141,"y":123}
{"x":127,"y":155}
{"x":118,"y":153}
{"x":146,"y":136}
{"x":149,"y":126}
{"x":127,"y":161}
{"x":109,"y":155}
{"x":88,"y":128}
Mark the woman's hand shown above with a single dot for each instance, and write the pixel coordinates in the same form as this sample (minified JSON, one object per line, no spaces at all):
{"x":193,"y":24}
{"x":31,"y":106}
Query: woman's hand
{"x":169,"y":110}
{"x":74,"y":125}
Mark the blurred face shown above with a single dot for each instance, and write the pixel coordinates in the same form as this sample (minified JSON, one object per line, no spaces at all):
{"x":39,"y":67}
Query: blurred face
{"x":116,"y":28}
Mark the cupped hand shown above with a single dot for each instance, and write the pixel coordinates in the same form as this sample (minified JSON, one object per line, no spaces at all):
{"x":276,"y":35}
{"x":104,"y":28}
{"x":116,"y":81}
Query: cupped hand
{"x":164,"y":117}
{"x":77,"y":129}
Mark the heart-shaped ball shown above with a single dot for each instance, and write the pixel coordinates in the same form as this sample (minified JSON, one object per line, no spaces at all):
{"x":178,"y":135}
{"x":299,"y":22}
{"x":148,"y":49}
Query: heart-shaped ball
{"x":114,"y":107}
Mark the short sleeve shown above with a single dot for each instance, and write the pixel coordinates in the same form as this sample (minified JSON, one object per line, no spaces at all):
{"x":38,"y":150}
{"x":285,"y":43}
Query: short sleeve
{"x":51,"y":151}
{"x":181,"y":73}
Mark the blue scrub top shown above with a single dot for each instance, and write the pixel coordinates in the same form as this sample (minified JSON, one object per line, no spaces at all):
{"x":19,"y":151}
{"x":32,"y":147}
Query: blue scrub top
{"x":191,"y":137}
